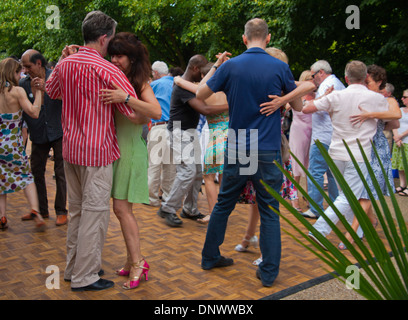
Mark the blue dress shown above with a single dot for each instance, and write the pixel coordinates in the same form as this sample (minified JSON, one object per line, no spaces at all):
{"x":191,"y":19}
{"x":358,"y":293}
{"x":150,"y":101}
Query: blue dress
{"x":384,"y":153}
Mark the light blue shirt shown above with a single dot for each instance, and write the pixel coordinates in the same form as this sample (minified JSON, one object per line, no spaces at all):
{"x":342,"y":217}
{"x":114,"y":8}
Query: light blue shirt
{"x":321,"y":123}
{"x":162,"y":89}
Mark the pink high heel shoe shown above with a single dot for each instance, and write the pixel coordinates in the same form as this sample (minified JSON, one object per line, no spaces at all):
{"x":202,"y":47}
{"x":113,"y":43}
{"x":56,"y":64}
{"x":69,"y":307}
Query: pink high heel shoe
{"x":134,"y":281}
{"x":122,"y":272}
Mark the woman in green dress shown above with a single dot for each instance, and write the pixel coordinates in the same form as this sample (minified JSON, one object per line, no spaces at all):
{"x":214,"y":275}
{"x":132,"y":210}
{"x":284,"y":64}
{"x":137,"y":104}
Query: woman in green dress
{"x":130,"y":171}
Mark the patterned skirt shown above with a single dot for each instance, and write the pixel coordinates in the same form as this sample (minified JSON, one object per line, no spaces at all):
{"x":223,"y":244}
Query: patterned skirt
{"x":15,"y":171}
{"x":217,"y":141}
{"x":397,"y":156}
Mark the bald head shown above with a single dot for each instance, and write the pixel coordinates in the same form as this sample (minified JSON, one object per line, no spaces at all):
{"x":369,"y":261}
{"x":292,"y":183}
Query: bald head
{"x":194,"y":67}
{"x":197,"y":61}
{"x":34,"y":63}
{"x":29,"y":53}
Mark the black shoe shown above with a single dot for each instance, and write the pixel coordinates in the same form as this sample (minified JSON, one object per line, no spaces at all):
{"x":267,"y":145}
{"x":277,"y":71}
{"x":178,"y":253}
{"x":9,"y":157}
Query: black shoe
{"x":100,"y":273}
{"x":258,"y":275}
{"x":101,"y":284}
{"x":194,"y":217}
{"x":222,"y":262}
{"x":161,"y":213}
{"x":172,"y":219}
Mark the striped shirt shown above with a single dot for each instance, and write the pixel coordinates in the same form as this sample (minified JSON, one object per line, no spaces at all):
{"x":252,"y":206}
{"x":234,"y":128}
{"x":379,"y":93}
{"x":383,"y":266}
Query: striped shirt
{"x":88,"y":124}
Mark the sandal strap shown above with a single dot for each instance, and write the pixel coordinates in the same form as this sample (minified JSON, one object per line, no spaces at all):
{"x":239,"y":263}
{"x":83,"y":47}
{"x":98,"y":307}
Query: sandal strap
{"x":34,"y":214}
{"x":137,"y":264}
{"x":403,"y":193}
{"x":246,"y":240}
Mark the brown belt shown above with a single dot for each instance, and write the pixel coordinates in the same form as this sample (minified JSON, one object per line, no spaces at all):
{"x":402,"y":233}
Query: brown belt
{"x":159,"y":123}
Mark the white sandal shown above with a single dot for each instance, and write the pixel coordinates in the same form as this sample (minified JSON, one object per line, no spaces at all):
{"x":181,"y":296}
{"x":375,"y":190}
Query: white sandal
{"x":253,"y":241}
{"x":257,"y":261}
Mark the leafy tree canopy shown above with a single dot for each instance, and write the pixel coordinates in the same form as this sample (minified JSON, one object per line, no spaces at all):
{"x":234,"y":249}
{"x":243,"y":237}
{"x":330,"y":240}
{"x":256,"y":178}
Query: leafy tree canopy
{"x":174,"y":30}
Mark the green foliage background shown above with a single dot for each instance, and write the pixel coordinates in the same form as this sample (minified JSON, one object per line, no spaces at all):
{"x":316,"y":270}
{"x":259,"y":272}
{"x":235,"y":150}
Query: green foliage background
{"x":175,"y":30}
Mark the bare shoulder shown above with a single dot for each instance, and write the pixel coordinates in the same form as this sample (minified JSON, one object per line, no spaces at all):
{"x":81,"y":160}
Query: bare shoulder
{"x":12,"y":99}
{"x":16,"y":92}
{"x":20,"y":90}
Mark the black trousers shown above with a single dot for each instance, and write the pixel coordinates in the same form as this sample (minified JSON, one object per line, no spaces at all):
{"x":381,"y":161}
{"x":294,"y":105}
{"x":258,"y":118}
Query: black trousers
{"x":39,"y":157}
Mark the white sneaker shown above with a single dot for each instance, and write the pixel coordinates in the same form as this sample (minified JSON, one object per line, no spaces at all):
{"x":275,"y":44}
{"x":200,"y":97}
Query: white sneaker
{"x":311,"y":236}
{"x":309,"y":214}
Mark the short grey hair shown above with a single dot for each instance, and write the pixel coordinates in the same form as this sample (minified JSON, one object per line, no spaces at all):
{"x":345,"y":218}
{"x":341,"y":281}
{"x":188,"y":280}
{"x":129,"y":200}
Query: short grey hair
{"x":390,"y":88}
{"x":356,"y":71}
{"x":321,"y":65}
{"x":97,"y":24}
{"x":161,"y":67}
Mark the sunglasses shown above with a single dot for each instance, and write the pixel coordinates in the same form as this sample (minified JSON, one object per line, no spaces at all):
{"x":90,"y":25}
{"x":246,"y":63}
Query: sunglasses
{"x":314,"y":74}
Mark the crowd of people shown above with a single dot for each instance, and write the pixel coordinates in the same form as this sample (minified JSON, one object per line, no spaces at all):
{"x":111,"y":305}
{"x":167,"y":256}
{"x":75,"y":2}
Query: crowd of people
{"x":129,"y":131}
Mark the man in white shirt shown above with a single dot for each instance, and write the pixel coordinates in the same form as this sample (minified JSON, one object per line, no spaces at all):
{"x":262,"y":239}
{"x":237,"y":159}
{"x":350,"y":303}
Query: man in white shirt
{"x":341,"y":105}
{"x":321,"y":130}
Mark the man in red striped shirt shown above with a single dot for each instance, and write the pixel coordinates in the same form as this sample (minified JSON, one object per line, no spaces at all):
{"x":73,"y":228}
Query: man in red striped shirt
{"x":89,"y":147}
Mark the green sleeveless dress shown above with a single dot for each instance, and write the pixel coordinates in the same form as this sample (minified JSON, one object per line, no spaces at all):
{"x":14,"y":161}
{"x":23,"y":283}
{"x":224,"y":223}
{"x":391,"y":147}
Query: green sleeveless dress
{"x":130,"y":170}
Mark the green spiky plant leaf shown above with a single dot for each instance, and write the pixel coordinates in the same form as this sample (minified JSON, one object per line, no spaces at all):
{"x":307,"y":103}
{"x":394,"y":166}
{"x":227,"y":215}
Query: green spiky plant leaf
{"x":382,"y":278}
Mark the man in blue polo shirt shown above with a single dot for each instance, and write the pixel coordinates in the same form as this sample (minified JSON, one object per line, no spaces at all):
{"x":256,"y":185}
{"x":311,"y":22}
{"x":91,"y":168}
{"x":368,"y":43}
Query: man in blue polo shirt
{"x":248,"y":80}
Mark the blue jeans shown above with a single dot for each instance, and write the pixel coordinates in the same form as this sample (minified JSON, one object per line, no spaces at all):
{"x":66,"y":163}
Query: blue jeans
{"x":231,"y":186}
{"x":317,"y":168}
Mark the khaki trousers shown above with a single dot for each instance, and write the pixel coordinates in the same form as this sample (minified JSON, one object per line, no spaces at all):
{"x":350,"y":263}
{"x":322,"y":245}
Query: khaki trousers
{"x":162,"y":170}
{"x":89,"y":191}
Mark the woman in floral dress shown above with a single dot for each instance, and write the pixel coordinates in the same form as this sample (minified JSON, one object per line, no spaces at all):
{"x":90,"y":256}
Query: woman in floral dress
{"x":15,"y":172}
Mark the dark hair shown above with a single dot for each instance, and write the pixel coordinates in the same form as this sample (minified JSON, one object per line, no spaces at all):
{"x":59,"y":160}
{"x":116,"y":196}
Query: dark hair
{"x":97,"y":24}
{"x":378,"y":73}
{"x":198,"y":61}
{"x":38,"y":56}
{"x":176,"y":71}
{"x":128,"y":44}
